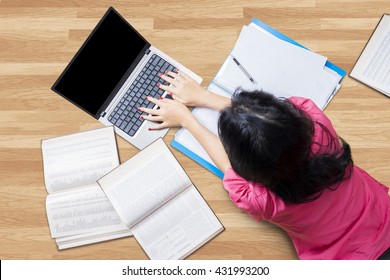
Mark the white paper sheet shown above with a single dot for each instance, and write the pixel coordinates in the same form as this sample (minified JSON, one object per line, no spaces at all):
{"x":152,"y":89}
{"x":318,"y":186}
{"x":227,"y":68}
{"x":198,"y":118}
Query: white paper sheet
{"x":277,"y":66}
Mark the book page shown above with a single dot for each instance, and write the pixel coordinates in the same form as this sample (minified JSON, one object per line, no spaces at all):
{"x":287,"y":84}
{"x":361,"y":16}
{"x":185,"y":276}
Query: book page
{"x":373,"y":65}
{"x":78,"y":159}
{"x":178,"y":228}
{"x":81,"y":210}
{"x":91,"y":237}
{"x":144,"y":183}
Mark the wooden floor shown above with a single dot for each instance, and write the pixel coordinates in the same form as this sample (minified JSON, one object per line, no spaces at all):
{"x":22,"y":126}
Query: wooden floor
{"x":39,"y":37}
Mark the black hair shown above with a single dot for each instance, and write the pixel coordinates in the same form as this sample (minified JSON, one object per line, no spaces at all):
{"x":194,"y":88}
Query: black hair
{"x":268,"y":140}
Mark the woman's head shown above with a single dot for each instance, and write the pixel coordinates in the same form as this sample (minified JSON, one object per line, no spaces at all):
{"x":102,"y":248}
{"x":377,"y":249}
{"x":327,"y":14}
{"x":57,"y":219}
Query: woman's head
{"x":264,"y":137}
{"x":268,"y":141}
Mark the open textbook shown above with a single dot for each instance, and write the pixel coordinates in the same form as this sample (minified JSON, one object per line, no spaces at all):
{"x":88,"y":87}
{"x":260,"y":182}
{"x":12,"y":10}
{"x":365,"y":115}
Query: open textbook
{"x":263,"y":58}
{"x":373,"y":65}
{"x":156,"y":199}
{"x":78,"y":211}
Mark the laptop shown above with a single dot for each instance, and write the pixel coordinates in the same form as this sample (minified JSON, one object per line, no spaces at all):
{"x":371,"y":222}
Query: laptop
{"x":111,"y":75}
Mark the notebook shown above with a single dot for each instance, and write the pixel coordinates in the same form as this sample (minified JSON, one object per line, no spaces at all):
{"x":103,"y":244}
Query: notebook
{"x":111,"y":75}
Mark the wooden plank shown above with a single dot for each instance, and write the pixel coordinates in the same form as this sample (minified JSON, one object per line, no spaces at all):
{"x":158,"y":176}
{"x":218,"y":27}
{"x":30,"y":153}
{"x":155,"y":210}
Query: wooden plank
{"x":37,"y":40}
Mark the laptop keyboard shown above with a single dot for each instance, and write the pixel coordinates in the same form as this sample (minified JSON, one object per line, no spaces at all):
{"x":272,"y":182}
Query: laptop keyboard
{"x":126,"y":115}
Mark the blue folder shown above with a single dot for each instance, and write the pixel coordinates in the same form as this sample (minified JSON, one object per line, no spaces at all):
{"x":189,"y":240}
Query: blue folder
{"x":197,"y":158}
{"x":281,"y":36}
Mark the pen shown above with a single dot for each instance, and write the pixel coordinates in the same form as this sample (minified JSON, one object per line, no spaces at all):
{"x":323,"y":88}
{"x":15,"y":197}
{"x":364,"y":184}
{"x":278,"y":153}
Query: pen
{"x":243,"y":70}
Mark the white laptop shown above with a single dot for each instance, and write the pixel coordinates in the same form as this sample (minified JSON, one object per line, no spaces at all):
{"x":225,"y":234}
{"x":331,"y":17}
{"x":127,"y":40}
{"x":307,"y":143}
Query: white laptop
{"x":111,"y":75}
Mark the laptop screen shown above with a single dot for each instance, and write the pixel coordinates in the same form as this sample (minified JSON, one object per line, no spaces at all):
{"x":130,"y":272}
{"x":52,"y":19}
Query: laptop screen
{"x":101,"y":63}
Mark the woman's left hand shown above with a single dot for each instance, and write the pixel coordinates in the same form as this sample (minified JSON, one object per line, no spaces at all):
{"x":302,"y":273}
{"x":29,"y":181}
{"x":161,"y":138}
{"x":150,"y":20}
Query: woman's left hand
{"x":171,"y":113}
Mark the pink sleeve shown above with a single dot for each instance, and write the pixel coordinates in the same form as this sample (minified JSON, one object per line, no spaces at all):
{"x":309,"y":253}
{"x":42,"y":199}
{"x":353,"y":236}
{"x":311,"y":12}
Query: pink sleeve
{"x":310,"y":108}
{"x":320,"y":138}
{"x":244,"y":195}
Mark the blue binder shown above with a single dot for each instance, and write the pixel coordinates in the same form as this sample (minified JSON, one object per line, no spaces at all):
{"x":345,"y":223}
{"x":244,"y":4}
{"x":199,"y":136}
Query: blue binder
{"x":281,"y":36}
{"x":197,"y":158}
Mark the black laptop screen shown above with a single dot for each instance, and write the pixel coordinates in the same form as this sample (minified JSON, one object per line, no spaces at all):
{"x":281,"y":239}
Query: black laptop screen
{"x":101,"y":63}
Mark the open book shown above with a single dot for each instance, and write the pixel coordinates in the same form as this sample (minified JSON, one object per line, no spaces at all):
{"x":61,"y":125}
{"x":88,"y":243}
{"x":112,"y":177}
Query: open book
{"x":373,"y":65}
{"x":78,"y":211}
{"x":156,"y":199}
{"x":266,"y":59}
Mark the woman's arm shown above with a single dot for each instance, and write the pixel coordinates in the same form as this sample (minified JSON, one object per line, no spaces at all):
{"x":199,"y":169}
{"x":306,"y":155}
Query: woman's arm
{"x":211,"y":143}
{"x":173,"y":113}
{"x":187,"y":91}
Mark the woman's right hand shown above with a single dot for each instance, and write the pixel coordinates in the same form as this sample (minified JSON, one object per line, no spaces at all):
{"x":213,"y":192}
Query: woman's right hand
{"x":184,"y":89}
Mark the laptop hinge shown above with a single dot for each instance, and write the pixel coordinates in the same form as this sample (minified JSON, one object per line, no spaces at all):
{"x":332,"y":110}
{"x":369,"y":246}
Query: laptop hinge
{"x":102,"y":114}
{"x":147,"y":51}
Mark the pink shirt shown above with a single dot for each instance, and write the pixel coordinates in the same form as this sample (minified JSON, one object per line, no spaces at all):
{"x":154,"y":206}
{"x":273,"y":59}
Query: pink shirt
{"x":352,"y":222}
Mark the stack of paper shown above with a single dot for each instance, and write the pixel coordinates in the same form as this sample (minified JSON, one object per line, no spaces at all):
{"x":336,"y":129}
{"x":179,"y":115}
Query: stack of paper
{"x":278,"y":67}
{"x":265,"y":59}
